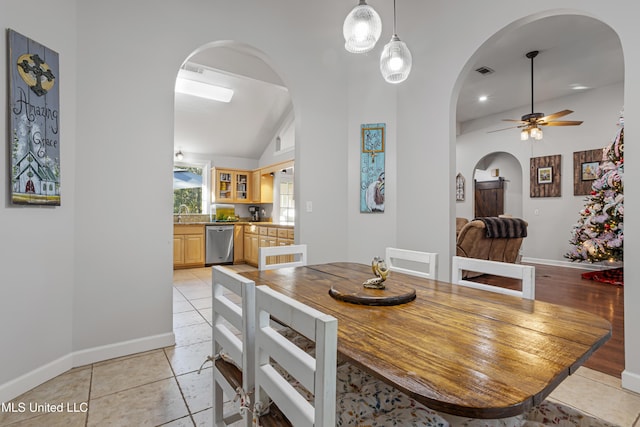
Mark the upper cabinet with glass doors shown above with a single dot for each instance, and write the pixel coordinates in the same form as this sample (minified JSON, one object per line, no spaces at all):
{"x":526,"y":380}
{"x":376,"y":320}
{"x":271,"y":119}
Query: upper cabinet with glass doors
{"x":231,"y":186}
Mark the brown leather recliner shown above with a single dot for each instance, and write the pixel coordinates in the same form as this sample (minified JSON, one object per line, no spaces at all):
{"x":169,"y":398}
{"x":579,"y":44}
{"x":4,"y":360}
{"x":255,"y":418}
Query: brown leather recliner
{"x":460,"y":222}
{"x":472,"y":242}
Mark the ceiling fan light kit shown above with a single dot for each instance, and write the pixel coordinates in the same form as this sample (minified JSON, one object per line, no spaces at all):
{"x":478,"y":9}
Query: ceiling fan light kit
{"x":530,"y":123}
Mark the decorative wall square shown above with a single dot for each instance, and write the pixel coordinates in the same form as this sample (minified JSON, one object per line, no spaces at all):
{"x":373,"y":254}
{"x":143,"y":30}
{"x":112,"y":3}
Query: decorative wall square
{"x":545,"y":176}
{"x":584,"y":164}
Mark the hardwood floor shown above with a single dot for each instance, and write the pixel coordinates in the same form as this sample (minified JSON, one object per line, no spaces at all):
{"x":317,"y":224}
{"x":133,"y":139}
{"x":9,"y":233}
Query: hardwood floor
{"x":565,"y":286}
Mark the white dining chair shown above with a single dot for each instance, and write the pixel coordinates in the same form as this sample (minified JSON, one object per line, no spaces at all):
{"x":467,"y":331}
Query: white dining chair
{"x":416,"y":263}
{"x":272,"y":257}
{"x":300,"y":385}
{"x":525,"y":273}
{"x":233,"y":345}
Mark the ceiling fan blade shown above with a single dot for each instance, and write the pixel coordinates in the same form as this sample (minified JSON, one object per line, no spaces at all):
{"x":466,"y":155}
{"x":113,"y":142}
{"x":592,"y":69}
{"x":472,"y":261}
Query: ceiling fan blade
{"x":514,"y":120}
{"x":499,"y":130}
{"x":555,"y":115}
{"x":562,"y":123}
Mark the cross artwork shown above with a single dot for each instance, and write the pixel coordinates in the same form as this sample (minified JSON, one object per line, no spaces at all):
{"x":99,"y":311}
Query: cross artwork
{"x":35,"y":69}
{"x":373,"y":141}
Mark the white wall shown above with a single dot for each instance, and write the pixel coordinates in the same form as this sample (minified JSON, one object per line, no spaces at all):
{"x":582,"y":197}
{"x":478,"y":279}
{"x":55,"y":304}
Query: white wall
{"x":287,"y":137}
{"x":37,"y":246}
{"x":549,"y":231}
{"x":136,"y":115}
{"x":110,"y":272}
{"x":370,"y":100}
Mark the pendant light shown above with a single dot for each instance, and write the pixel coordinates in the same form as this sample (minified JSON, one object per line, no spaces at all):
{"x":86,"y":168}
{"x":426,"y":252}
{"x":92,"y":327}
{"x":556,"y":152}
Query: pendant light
{"x":395,"y":61}
{"x":179,"y":155}
{"x":362,"y":28}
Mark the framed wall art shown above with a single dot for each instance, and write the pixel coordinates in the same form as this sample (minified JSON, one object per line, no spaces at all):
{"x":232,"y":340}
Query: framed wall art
{"x":545,"y":176}
{"x":34,"y":128}
{"x":585,"y":170}
{"x":588,"y":171}
{"x":372,"y":145}
{"x":460,"y":181}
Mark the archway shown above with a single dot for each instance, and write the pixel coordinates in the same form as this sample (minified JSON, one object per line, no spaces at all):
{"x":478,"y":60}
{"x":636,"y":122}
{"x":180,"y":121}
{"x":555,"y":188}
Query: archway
{"x":254,"y":129}
{"x":550,"y":218}
{"x":562,"y":62}
{"x":505,"y":168}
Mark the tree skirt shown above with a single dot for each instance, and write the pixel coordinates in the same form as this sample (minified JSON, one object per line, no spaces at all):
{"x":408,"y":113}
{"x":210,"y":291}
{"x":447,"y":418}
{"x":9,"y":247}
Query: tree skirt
{"x":613,"y":276}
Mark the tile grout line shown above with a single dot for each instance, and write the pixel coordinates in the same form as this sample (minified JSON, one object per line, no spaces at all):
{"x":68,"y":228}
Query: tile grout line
{"x":175,"y":378}
{"x":86,"y":420}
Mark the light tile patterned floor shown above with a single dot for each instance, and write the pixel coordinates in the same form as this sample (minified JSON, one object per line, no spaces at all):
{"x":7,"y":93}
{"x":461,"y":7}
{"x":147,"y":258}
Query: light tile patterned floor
{"x":163,"y":388}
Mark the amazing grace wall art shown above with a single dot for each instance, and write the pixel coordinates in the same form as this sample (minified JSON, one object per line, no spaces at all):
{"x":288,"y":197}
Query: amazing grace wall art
{"x":34,"y":107}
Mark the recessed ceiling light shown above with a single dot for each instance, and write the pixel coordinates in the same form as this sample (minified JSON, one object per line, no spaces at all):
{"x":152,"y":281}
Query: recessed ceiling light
{"x":577,"y":86}
{"x":483,"y":98}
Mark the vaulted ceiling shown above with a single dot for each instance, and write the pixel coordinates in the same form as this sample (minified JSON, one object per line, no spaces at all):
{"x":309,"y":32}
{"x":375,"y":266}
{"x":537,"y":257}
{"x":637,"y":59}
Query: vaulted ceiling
{"x":246,"y":125}
{"x":574,"y":51}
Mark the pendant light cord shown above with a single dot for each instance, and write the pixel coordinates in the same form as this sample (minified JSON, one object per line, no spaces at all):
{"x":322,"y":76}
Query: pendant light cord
{"x":394,"y":17}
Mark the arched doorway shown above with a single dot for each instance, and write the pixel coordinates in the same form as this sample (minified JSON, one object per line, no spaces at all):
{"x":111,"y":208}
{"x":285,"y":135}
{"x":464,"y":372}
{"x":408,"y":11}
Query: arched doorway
{"x":500,"y":171}
{"x":563,"y":61}
{"x":550,"y":219}
{"x":251,"y":130}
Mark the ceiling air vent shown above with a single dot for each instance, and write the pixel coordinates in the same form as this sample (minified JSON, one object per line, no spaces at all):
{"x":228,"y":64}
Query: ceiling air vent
{"x":484,"y":70}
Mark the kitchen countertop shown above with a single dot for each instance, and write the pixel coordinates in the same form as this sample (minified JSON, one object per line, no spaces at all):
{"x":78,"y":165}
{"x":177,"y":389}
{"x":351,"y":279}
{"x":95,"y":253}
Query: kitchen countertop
{"x":257,"y":223}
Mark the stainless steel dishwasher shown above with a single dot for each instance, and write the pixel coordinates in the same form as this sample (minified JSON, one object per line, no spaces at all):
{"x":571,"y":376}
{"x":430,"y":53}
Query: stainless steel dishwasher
{"x":219,"y":240}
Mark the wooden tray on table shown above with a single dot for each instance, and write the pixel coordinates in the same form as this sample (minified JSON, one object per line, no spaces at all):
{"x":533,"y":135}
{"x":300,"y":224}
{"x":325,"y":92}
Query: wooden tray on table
{"x":394,"y":293}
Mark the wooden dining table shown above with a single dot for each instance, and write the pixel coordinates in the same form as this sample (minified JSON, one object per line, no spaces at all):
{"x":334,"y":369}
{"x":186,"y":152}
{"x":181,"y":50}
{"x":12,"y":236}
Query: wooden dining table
{"x":457,"y":350}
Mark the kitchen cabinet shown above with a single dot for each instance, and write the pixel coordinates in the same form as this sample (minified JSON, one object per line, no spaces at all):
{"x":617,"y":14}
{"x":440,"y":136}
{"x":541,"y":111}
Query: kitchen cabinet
{"x":231,"y":186}
{"x":285,"y":238}
{"x":251,"y":244}
{"x":266,"y":188}
{"x":188,"y":246}
{"x":261,"y":187}
{"x":238,"y":244}
{"x":255,"y":186}
{"x":256,"y":237}
{"x":268,"y":237}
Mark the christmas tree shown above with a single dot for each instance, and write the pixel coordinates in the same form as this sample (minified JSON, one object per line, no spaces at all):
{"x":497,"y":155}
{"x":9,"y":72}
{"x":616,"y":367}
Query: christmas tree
{"x":598,"y":235}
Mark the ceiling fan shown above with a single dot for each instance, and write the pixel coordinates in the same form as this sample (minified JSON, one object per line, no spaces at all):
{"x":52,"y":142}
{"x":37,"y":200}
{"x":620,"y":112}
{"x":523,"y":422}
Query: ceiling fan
{"x":530,"y":123}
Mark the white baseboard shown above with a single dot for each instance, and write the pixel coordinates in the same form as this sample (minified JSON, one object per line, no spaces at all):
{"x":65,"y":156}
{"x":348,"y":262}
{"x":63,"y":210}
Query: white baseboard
{"x":105,"y":352}
{"x":26,"y":382}
{"x":631,"y":381}
{"x":568,"y":264}
{"x":34,"y":378}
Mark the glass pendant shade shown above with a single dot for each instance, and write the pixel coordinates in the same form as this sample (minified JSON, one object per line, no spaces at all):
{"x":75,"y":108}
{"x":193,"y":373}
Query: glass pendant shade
{"x":362,"y":28}
{"x":395,"y":61}
{"x":524,"y":135}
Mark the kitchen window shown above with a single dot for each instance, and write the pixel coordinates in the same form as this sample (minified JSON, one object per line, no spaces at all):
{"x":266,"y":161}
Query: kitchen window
{"x":287,"y":202}
{"x":191,"y":188}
